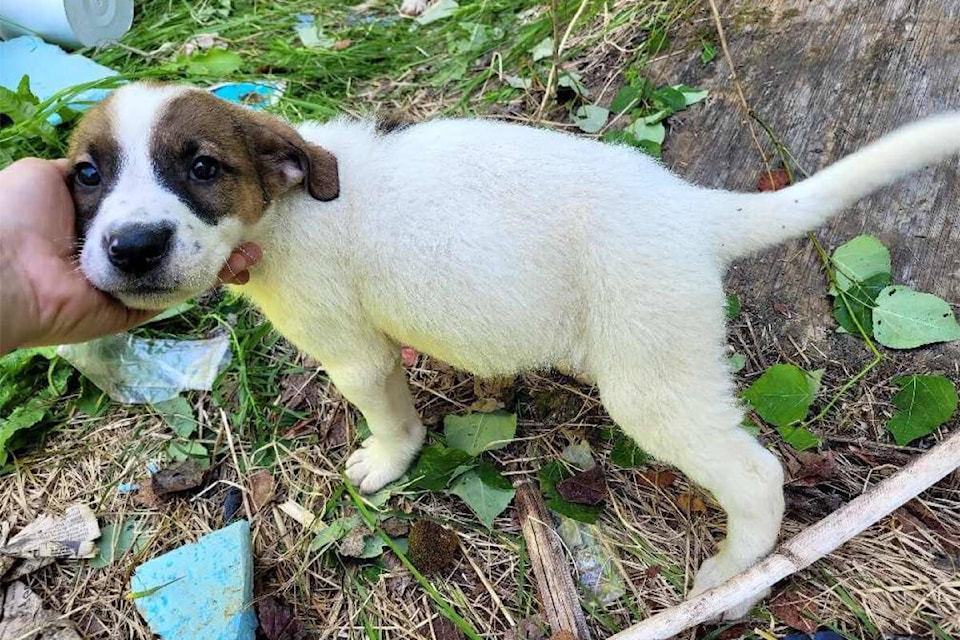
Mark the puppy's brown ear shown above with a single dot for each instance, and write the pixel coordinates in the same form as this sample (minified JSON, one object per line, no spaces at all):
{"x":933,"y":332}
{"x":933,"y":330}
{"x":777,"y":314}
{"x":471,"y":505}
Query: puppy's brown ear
{"x":286,"y":160}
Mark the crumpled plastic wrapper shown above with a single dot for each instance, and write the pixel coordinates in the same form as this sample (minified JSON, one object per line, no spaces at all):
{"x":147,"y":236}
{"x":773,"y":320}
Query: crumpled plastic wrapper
{"x":136,"y":370}
{"x":597,"y":574}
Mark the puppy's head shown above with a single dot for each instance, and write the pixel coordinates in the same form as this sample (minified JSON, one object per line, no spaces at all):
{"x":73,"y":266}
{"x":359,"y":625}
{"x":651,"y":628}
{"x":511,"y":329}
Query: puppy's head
{"x":166,"y":181}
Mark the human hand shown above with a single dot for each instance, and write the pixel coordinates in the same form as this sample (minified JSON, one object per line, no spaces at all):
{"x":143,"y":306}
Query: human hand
{"x":44,"y":298}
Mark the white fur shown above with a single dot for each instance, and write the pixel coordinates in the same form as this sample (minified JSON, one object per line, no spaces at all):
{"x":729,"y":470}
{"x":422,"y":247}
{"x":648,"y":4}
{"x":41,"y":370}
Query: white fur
{"x":500,"y":248}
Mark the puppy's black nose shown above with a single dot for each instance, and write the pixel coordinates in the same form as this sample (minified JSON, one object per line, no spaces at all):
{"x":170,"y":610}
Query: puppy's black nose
{"x":138,"y":248}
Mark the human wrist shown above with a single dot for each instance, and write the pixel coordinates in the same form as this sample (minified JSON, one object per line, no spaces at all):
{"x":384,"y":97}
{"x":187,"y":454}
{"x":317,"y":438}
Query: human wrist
{"x":15,"y":300}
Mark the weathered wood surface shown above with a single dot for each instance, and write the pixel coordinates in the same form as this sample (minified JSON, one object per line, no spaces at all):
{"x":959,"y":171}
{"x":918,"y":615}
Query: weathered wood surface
{"x":828,"y":76}
{"x":551,"y":569}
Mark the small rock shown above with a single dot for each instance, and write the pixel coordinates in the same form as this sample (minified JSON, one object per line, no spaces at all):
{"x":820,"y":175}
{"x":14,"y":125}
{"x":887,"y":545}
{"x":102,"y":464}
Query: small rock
{"x":200,"y":590}
{"x":187,"y":475}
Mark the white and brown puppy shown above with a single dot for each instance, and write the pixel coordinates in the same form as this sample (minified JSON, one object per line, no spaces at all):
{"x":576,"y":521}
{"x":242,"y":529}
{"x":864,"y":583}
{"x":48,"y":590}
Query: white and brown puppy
{"x":495,"y":247}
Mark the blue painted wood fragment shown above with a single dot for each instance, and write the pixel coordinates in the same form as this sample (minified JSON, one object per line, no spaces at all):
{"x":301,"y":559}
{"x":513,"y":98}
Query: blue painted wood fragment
{"x":201,"y":590}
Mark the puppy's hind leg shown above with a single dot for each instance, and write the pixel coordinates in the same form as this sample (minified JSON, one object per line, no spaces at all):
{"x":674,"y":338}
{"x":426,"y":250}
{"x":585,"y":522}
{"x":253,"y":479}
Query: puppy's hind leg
{"x":693,"y":423}
{"x":373,"y":380}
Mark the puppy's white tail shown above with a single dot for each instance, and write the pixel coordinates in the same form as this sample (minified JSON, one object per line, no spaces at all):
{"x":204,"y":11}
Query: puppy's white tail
{"x":748,"y":222}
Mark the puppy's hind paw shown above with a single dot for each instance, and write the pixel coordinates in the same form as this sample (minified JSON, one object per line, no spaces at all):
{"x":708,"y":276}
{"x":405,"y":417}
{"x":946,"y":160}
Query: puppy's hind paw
{"x":715,"y":571}
{"x":413,"y":8}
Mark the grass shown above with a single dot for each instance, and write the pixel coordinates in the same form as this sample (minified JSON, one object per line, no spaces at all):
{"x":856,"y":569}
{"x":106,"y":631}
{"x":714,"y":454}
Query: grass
{"x":283,"y":414}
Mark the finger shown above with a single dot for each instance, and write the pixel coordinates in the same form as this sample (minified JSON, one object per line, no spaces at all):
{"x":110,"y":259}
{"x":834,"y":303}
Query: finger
{"x":235,"y":269}
{"x":62,"y":165}
{"x":251,"y":252}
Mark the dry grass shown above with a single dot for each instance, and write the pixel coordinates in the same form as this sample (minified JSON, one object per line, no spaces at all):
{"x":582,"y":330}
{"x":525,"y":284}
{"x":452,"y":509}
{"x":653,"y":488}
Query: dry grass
{"x":892,"y":579}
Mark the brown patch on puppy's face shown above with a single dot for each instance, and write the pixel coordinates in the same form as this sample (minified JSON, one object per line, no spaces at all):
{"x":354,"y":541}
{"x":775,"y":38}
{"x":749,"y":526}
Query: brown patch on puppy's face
{"x":168,"y":180}
{"x":223,"y":160}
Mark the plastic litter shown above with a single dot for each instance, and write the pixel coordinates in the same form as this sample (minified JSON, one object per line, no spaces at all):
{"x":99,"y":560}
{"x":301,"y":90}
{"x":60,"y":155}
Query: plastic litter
{"x":256,"y":95}
{"x":136,"y":370}
{"x":51,"y":70}
{"x":594,"y":569}
{"x":72,"y":23}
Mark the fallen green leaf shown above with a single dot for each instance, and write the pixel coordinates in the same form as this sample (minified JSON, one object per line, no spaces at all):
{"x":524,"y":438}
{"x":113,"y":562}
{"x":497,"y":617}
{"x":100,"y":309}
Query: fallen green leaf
{"x":478,"y":432}
{"x":798,"y":437}
{"x":925,"y":402}
{"x":178,"y":414}
{"x":437,"y":466}
{"x":859,"y":260}
{"x":861,"y":298}
{"x":214,"y":62}
{"x":487,"y":499}
{"x":782,"y":395}
{"x":626,"y":454}
{"x":591,"y":118}
{"x":543,"y":49}
{"x":116,"y":539}
{"x":737,"y":362}
{"x":691,"y":96}
{"x":905,"y":319}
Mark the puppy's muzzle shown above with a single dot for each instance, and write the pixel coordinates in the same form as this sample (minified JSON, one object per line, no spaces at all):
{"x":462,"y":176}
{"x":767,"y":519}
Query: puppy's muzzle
{"x":137,"y":249}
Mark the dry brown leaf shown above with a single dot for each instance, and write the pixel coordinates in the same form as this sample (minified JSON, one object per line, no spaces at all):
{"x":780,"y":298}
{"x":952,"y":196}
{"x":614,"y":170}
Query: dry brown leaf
{"x":277,"y":620}
{"x":586,"y":487}
{"x":262,"y":489}
{"x":773,"y":180}
{"x":660,"y":479}
{"x":811,"y":469}
{"x":691,"y":503}
{"x":789,"y":606}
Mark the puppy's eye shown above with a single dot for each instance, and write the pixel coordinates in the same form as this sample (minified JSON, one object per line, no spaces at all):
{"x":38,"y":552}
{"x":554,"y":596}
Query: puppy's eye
{"x":86,"y":174}
{"x":204,"y":168}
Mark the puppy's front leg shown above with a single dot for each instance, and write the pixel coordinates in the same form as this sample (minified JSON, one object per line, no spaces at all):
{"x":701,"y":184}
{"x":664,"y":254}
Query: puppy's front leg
{"x":378,"y":388}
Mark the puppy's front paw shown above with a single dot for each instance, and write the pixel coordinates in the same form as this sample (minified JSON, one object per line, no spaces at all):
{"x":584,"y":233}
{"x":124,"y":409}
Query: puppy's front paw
{"x":380,"y":461}
{"x":715,"y":571}
{"x":413,"y":7}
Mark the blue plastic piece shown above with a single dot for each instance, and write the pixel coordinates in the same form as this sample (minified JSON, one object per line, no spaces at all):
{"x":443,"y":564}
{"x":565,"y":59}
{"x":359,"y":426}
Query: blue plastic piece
{"x":51,"y":69}
{"x":201,"y":590}
{"x":827,"y":634}
{"x":256,"y":95}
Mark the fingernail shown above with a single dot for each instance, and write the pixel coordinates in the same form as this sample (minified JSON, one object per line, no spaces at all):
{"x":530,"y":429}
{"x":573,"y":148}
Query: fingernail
{"x":242,"y":278}
{"x":236,"y":263}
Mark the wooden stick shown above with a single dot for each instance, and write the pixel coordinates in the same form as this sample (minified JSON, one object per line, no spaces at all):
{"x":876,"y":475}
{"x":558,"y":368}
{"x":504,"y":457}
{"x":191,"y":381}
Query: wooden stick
{"x":554,"y":583}
{"x":806,"y":547}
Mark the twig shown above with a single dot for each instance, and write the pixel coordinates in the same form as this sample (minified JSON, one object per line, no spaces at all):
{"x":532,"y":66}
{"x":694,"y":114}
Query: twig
{"x":554,"y":584}
{"x":738,"y":87}
{"x":806,"y":547}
